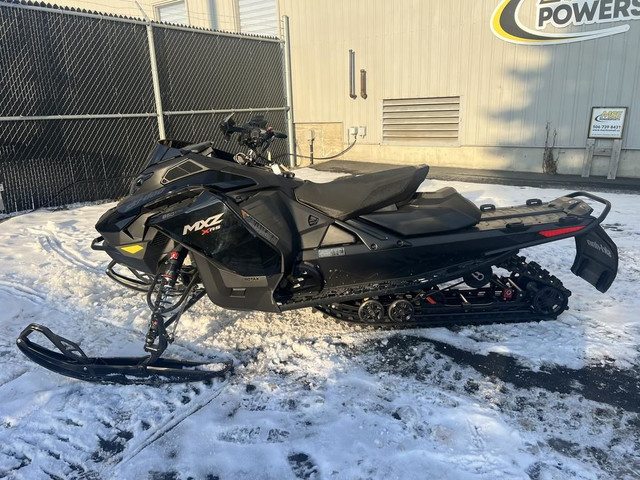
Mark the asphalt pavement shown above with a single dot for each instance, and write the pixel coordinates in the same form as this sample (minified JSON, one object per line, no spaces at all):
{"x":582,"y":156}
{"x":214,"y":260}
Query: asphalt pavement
{"x":526,"y":179}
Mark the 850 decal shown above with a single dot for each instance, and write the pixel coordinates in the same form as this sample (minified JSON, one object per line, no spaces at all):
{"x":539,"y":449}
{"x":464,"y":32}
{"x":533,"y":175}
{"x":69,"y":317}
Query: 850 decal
{"x":507,"y":23}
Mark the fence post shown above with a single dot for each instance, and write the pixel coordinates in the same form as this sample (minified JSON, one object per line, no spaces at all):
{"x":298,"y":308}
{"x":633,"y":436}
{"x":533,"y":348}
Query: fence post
{"x":289,"y":89}
{"x":156,"y":81}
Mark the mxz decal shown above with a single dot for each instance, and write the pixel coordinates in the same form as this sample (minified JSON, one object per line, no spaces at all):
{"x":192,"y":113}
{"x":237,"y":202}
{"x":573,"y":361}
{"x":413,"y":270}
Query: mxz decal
{"x":207,"y":225}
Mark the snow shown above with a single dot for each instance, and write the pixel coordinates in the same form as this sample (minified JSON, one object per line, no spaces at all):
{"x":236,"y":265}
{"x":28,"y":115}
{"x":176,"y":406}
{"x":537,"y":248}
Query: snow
{"x":315,"y":398}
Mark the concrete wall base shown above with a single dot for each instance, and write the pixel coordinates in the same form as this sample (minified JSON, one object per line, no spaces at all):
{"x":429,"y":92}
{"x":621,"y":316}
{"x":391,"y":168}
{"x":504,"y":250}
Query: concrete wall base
{"x":519,"y":159}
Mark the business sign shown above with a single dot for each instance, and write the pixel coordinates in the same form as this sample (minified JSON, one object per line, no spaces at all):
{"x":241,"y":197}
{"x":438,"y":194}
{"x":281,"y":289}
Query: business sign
{"x":510,"y":24}
{"x":607,"y":122}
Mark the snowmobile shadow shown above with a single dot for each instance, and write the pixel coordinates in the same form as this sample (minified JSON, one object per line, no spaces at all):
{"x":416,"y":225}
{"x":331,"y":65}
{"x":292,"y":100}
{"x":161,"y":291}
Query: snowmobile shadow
{"x":600,"y":383}
{"x":67,"y":224}
{"x":220,"y":318}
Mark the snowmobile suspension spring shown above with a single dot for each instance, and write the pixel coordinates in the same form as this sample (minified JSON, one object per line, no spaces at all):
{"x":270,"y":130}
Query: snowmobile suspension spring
{"x":163,"y":284}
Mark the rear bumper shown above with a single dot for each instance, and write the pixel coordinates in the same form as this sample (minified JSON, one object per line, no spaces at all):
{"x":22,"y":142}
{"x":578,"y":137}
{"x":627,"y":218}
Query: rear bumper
{"x":596,"y":259}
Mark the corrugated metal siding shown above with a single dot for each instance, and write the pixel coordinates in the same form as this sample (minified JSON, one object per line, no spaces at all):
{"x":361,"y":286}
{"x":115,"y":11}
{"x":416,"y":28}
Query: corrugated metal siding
{"x":417,"y":49}
{"x":421,"y":121}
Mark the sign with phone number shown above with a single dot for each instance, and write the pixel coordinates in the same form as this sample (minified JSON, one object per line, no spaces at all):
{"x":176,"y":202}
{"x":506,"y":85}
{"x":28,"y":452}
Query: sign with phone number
{"x":607,"y":122}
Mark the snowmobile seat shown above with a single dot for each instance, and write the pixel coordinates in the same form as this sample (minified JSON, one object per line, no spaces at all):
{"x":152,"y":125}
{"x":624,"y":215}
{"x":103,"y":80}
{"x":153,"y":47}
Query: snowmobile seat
{"x":430,"y":212}
{"x":350,"y":197}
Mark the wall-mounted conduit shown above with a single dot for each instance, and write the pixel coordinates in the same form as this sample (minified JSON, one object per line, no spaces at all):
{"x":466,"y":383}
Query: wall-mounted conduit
{"x":363,"y":83}
{"x":352,"y":74}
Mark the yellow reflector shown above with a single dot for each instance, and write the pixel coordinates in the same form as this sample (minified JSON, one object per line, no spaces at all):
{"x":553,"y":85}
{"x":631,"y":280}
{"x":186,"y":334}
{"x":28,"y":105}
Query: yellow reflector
{"x":132,"y":248}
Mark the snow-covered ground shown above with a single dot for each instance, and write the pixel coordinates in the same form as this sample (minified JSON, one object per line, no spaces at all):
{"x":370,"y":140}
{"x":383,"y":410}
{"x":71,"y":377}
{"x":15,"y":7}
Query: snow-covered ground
{"x":313,"y":398}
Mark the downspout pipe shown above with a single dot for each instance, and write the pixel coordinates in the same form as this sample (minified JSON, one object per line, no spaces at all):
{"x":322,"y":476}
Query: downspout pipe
{"x":289,"y":92}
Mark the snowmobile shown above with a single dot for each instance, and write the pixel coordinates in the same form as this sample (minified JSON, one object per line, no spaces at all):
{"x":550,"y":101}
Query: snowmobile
{"x":369,"y":249}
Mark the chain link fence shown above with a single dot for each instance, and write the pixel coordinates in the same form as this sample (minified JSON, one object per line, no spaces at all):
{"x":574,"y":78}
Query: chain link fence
{"x":78,"y":110}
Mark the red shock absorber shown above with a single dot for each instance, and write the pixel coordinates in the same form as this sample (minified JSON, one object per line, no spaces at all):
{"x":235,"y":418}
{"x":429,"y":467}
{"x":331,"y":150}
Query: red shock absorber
{"x":158,"y":301}
{"x":174,"y":264}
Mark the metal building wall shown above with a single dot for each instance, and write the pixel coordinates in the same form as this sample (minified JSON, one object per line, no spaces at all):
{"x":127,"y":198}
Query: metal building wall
{"x":420,"y":48}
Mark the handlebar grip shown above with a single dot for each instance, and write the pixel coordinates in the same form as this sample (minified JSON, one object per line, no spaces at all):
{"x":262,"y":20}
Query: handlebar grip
{"x":275,"y":133}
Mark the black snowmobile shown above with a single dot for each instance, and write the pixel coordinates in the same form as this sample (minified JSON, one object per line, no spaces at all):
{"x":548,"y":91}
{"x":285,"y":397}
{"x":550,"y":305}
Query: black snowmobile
{"x":369,"y":249}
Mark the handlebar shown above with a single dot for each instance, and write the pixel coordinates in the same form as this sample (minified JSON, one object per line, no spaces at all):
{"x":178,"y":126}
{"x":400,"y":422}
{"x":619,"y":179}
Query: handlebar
{"x":254,"y":134}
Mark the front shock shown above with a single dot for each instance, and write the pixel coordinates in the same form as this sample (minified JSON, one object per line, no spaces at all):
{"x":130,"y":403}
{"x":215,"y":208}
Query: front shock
{"x":164,"y":287}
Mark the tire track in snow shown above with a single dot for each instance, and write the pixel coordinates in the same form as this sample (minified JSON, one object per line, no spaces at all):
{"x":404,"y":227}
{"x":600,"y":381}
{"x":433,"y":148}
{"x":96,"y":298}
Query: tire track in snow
{"x":7,"y":344}
{"x":22,"y":292}
{"x":51,"y":243}
{"x":171,"y":422}
{"x":13,"y":379}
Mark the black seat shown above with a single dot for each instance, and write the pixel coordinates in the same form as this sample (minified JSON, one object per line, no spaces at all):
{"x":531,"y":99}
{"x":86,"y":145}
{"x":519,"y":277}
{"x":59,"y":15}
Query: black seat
{"x":350,"y":197}
{"x":431,"y":212}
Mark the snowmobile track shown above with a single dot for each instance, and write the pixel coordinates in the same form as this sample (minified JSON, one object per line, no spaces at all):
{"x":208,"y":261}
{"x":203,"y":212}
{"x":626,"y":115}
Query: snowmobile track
{"x":172,"y":422}
{"x":465,"y":313}
{"x":14,"y":377}
{"x":50,"y":243}
{"x":22,"y":292}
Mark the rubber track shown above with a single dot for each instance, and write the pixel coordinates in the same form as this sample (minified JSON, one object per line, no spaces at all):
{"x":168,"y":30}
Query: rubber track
{"x":495,"y":313}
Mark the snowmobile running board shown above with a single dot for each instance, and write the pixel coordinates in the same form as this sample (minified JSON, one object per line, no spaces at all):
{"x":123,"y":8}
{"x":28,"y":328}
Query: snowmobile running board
{"x":72,"y":362}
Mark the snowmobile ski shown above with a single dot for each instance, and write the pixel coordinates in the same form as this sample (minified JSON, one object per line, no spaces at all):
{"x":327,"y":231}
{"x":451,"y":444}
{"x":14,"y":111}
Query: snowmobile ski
{"x":71,"y":361}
